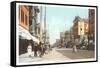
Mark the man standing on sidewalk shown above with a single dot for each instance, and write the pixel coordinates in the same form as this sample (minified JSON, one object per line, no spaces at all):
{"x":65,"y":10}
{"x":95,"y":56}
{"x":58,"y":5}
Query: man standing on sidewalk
{"x":35,"y":49}
{"x":74,"y":44}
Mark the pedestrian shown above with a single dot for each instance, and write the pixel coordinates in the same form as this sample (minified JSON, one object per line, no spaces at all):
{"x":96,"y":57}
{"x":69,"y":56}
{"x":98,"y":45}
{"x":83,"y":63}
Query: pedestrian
{"x":39,"y":49}
{"x":74,"y":44}
{"x":74,"y":48}
{"x":66,"y":45}
{"x":41,"y":46}
{"x":35,"y":49}
{"x":29,"y":50}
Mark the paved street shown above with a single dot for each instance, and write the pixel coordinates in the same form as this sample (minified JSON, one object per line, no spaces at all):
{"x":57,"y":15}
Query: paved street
{"x":57,"y":55}
{"x":80,"y":54}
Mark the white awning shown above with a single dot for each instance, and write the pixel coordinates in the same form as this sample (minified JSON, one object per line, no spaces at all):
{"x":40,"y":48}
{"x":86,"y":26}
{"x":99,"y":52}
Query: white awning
{"x":34,"y":39}
{"x":25,"y":34}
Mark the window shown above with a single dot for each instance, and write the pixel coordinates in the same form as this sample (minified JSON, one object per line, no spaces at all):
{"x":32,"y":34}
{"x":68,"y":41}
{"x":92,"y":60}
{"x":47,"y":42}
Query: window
{"x":22,"y":16}
{"x":30,"y":23}
{"x":25,"y":19}
{"x":19,"y":12}
{"x":81,"y":29}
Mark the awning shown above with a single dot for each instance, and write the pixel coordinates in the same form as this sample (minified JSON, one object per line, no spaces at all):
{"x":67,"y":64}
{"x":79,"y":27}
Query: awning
{"x":26,"y":35}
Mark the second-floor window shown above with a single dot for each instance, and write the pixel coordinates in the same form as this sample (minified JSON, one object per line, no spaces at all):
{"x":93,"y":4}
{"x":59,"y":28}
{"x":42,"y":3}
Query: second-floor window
{"x":22,"y":16}
{"x":25,"y":19}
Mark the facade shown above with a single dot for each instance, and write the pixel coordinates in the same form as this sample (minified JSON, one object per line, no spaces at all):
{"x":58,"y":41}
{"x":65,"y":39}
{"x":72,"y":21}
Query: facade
{"x":24,"y":16}
{"x":91,"y":31}
{"x":35,"y":27}
{"x":27,"y":27}
{"x":57,"y":43}
{"x":67,"y":39}
{"x":75,"y":27}
{"x":39,"y":31}
{"x":67,"y":36}
{"x":33,"y":13}
{"x":71,"y":34}
{"x":92,"y":24}
{"x":62,"y":34}
{"x":86,"y":26}
{"x":80,"y":28}
{"x":23,"y":28}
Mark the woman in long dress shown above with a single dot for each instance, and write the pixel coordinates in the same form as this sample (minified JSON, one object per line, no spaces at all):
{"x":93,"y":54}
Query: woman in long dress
{"x":29,"y":50}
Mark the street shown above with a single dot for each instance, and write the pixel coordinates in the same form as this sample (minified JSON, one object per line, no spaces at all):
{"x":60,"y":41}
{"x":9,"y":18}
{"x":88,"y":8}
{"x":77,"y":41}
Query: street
{"x":80,"y":54}
{"x":57,"y":55}
{"x":53,"y":35}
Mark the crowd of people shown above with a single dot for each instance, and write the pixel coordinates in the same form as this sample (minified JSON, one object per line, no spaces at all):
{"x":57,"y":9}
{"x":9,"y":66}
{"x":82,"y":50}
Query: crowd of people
{"x":38,"y":49}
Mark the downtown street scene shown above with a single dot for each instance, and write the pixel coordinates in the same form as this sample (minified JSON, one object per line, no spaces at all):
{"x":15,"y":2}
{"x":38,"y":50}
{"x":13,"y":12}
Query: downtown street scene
{"x":55,"y":34}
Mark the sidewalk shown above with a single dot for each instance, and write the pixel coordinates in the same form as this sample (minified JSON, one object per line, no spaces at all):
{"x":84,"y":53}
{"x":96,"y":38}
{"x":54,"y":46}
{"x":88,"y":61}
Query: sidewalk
{"x":25,"y":58}
{"x":52,"y":57}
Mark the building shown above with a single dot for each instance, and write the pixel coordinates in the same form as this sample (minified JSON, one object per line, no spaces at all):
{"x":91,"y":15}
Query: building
{"x":24,"y":17}
{"x":67,"y":36}
{"x":80,"y":28}
{"x":67,"y":39}
{"x":91,"y":32}
{"x":26,"y":24}
{"x":75,"y":27}
{"x":57,"y":43}
{"x":86,"y":26}
{"x":23,"y":28}
{"x":92,"y":24}
{"x":61,"y":44}
{"x":33,"y":24}
{"x":71,"y":34}
{"x":39,"y":31}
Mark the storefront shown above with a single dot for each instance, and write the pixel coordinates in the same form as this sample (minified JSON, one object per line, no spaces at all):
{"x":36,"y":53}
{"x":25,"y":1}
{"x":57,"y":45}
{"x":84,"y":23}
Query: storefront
{"x":25,"y":38}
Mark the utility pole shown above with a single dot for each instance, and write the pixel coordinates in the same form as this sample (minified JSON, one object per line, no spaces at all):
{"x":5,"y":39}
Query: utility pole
{"x":45,"y":23}
{"x":45,"y":18}
{"x":40,"y":23}
{"x":41,"y":14}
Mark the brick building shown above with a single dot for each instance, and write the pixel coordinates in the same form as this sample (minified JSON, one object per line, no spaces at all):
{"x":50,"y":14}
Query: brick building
{"x":80,"y":27}
{"x":91,"y":24}
{"x":23,"y":28}
{"x":75,"y":27}
{"x":27,"y":22}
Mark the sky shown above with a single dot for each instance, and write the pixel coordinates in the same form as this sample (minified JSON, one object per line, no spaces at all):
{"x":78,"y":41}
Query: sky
{"x":60,"y":19}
